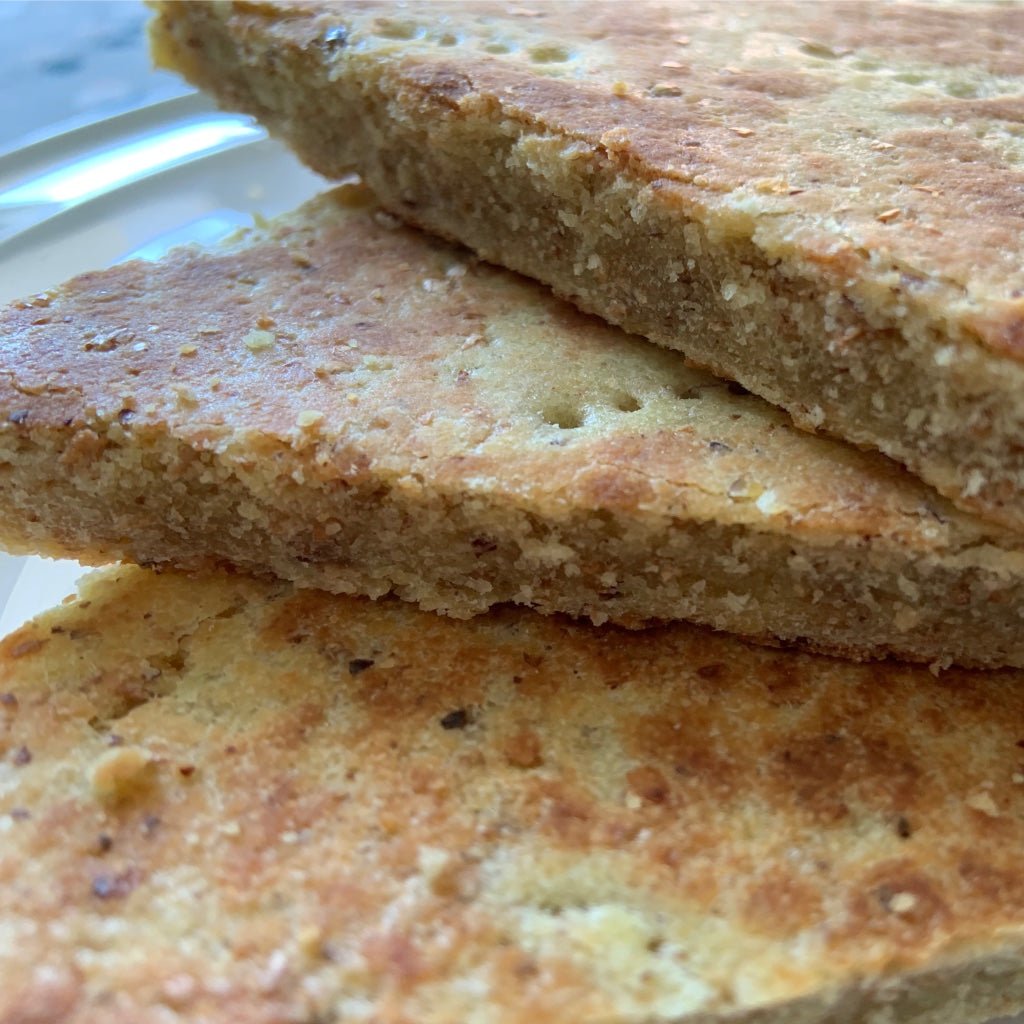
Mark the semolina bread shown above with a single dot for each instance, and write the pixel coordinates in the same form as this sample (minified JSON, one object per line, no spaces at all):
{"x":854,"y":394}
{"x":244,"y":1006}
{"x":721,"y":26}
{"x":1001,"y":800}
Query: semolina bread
{"x":227,"y":800}
{"x":343,"y":402}
{"x":821,"y":201}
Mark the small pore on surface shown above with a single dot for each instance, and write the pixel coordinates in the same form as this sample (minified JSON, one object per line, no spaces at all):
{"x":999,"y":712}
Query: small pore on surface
{"x":602,"y":409}
{"x":562,"y":414}
{"x":549,"y":53}
{"x":566,"y":415}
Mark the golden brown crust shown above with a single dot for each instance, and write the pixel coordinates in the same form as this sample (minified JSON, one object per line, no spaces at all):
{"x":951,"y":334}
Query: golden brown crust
{"x":350,"y":404}
{"x":850,"y":175}
{"x":225,"y":800}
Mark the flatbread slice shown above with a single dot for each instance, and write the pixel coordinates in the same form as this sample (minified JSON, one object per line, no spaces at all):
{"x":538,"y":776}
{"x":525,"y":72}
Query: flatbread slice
{"x":821,"y":201}
{"x":226,"y":800}
{"x":353,"y":405}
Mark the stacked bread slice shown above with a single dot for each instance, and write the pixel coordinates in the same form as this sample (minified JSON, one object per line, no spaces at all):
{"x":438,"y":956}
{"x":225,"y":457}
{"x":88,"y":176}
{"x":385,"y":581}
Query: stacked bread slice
{"x":235,"y":800}
{"x":821,"y":201}
{"x":343,"y":402}
{"x":264,"y":800}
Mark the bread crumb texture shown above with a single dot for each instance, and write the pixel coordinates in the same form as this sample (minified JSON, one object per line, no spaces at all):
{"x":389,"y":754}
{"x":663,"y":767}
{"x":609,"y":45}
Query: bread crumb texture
{"x":821,"y":201}
{"x":339,"y":423}
{"x":334,"y":809}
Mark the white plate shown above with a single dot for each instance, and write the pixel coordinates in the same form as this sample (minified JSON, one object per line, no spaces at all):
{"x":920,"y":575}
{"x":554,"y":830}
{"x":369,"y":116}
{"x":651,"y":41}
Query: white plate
{"x":135,"y":185}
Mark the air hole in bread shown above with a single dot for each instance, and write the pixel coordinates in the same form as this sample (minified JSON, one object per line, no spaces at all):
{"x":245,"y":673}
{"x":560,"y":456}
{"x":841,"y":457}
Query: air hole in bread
{"x":627,"y":403}
{"x":549,"y":54}
{"x":561,"y":414}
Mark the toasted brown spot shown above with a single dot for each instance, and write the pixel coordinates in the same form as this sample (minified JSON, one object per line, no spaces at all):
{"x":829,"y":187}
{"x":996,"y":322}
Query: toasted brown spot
{"x":829,"y":772}
{"x":683,"y":745}
{"x":649,"y":784}
{"x":781,"y":904}
{"x":24,"y":647}
{"x":523,"y":749}
{"x":999,"y":885}
{"x":899,"y":900}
